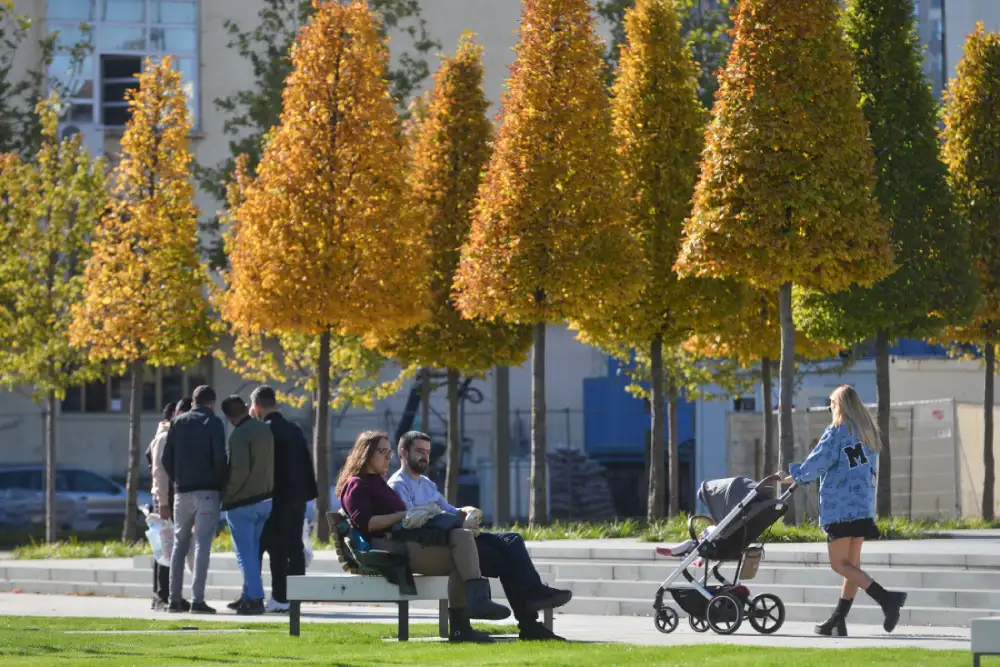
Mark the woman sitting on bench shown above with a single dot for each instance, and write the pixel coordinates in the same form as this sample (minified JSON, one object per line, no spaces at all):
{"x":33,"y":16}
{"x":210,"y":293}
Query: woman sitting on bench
{"x":374,"y":508}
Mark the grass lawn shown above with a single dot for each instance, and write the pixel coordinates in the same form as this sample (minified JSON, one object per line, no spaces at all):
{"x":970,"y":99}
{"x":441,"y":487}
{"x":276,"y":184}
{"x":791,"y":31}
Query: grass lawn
{"x":672,"y":530}
{"x":62,"y":641}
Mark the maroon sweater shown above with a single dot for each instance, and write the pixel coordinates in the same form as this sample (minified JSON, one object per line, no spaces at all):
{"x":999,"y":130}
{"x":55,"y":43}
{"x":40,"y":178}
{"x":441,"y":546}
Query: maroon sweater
{"x":368,"y":496}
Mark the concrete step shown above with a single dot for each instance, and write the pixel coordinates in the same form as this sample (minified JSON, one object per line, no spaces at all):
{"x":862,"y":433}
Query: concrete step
{"x":225,"y":593}
{"x":806,"y":613}
{"x":796,"y":594}
{"x":954,"y":554}
{"x":819,"y":575}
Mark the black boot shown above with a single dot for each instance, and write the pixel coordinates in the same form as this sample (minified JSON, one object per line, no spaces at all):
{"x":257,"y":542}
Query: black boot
{"x":460,"y":630}
{"x":836,"y":625}
{"x":546,"y":597}
{"x":479,"y":604}
{"x":890,"y":601}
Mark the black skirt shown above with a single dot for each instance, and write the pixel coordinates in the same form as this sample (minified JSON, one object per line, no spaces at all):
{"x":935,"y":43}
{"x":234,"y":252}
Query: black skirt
{"x":865,"y":528}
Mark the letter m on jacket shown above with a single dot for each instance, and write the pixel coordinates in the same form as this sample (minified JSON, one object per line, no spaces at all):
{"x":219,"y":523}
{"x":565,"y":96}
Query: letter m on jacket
{"x":855,"y":455}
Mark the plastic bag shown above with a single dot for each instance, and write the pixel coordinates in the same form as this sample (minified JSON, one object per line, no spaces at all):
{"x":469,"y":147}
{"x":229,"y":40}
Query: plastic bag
{"x":307,"y":547}
{"x":161,"y":539}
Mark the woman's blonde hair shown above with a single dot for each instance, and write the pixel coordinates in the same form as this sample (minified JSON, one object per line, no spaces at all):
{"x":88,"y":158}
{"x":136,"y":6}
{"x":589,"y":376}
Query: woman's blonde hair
{"x":361,"y":453}
{"x":847,"y":408}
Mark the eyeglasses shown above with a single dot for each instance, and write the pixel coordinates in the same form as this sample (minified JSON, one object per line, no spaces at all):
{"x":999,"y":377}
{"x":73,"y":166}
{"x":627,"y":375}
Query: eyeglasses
{"x":384,"y":451}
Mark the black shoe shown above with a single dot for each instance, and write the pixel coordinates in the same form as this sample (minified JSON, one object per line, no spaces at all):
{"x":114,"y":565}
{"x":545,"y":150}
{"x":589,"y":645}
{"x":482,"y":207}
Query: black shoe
{"x":538,"y":632}
{"x":250,"y":608}
{"x":176,"y":608}
{"x":201,"y":608}
{"x":478,"y":602}
{"x":235,"y":604}
{"x":894,"y":602}
{"x":832,"y":627}
{"x":836,"y":625}
{"x":185,"y":605}
{"x":547,"y":597}
{"x":460,"y":630}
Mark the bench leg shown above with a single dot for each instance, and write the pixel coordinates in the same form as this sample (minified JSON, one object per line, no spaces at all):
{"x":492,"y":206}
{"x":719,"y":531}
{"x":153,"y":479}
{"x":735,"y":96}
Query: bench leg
{"x":975,"y":660}
{"x":547,"y":618}
{"x":443,"y":619}
{"x":294,"y":617}
{"x":404,"y":621}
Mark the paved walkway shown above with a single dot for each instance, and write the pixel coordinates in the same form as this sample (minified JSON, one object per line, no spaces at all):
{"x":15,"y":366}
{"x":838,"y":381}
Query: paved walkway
{"x":597,"y":629}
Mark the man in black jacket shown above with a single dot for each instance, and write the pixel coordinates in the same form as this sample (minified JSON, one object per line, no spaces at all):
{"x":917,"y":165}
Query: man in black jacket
{"x":194,"y":457}
{"x":294,"y":486}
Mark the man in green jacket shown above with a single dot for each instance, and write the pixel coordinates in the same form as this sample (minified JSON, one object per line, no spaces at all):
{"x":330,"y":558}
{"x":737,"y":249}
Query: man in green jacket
{"x":247,"y":496}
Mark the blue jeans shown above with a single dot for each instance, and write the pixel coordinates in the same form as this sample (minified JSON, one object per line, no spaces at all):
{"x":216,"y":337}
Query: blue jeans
{"x":246,"y":525}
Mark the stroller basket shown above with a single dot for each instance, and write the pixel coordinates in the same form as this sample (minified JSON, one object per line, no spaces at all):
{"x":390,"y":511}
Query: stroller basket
{"x":751,"y":561}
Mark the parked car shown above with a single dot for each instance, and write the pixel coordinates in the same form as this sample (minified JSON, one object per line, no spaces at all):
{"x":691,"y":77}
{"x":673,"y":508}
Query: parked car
{"x":92,"y":500}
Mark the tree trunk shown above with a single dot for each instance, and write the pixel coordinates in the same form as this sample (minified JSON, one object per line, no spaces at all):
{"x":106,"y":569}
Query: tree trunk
{"x":321,"y":438}
{"x":989,"y":479}
{"x":770,"y":451}
{"x":657,"y":478}
{"x":673,"y":447}
{"x":51,"y":515}
{"x":501,"y":454}
{"x":884,"y":492}
{"x":538,"y":513}
{"x":425,"y":400}
{"x":786,"y":437}
{"x":454,"y":440}
{"x":134,"y":425}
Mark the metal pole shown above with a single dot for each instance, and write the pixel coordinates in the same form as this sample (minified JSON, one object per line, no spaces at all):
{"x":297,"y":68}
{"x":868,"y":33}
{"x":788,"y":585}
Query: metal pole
{"x":912,"y":429}
{"x":501,"y":446}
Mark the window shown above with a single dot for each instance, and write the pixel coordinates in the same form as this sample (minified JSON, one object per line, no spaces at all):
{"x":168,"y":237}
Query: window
{"x":25,"y":480}
{"x":124,"y":33}
{"x":81,"y":481}
{"x":744,"y":404}
{"x":159,"y":386}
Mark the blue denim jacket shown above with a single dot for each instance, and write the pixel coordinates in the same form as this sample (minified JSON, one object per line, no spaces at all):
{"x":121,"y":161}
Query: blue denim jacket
{"x":846,"y":470}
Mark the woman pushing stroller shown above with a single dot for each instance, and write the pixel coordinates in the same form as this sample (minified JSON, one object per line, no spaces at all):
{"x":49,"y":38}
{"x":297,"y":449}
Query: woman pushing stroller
{"x":845,"y":461}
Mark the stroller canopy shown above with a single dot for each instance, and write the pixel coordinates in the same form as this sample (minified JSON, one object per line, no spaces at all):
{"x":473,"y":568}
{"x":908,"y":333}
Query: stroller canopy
{"x":723,"y":495}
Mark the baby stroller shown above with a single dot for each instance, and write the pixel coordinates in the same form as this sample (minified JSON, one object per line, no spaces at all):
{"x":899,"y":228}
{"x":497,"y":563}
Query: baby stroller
{"x":742,"y":511}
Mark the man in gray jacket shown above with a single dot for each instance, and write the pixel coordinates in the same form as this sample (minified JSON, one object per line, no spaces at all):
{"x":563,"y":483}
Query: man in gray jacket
{"x":194,"y":457}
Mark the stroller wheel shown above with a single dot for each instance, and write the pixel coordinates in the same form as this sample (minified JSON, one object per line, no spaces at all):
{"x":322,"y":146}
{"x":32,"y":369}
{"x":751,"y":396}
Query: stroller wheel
{"x":698,"y":623}
{"x":724,"y":614}
{"x":666,"y":620}
{"x":767,"y":613}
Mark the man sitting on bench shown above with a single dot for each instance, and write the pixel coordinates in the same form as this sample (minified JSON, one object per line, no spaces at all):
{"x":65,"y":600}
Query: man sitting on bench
{"x":501,"y":555}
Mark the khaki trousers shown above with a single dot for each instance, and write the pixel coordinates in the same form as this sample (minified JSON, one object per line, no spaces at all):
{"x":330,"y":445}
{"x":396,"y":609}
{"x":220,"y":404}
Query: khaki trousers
{"x":459,"y":560}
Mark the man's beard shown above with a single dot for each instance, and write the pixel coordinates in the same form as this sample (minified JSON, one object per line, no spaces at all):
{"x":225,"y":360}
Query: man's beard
{"x":419,"y":467}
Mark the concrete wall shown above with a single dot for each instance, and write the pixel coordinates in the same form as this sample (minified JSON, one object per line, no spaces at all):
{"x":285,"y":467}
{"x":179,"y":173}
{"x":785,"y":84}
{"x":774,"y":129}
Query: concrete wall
{"x":969,"y":419}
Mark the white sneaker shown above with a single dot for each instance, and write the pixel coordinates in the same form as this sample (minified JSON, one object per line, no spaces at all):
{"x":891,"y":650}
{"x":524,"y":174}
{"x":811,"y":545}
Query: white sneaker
{"x":275,"y":607}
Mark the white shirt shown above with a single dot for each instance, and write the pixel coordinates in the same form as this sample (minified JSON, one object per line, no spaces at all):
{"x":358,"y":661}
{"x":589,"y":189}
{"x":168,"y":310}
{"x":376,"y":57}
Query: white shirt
{"x":419,"y":491}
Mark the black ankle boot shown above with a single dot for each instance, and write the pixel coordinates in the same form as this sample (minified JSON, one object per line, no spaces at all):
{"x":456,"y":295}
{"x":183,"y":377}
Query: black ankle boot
{"x":891,"y":603}
{"x":460,"y":630}
{"x":478,"y":602}
{"x":836,"y":625}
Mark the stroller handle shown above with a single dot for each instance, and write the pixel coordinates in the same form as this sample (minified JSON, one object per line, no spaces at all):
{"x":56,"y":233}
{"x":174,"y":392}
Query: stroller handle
{"x":770,"y":479}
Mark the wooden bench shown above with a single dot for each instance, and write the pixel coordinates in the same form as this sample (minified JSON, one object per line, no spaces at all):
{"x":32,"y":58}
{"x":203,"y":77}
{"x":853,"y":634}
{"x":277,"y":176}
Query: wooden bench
{"x":984,"y":635}
{"x":358,"y":584}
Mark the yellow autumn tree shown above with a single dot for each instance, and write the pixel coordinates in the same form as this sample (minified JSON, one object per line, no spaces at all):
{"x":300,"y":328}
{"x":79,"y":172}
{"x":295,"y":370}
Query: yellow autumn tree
{"x":971,"y":148}
{"x":547,"y":241}
{"x":324,"y":244}
{"x":658,"y":126}
{"x":786,"y":194}
{"x":143,"y":301}
{"x":51,"y":204}
{"x":451,"y":147}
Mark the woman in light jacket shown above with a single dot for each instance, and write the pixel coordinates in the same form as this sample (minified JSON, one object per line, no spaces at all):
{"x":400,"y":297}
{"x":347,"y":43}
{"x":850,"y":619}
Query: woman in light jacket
{"x":845,"y":461}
